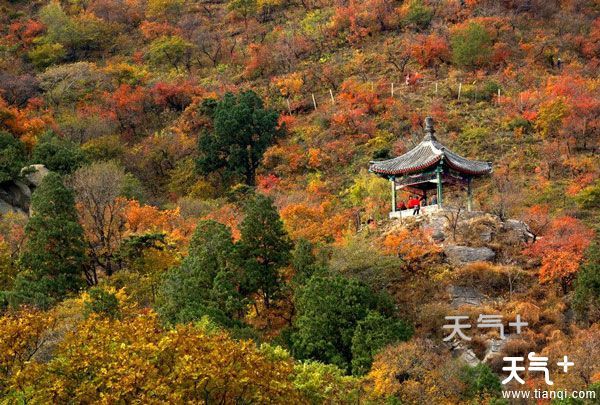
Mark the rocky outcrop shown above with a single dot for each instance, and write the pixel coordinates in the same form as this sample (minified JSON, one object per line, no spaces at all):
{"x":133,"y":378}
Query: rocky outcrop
{"x":458,"y":255}
{"x":461,"y":295}
{"x":15,"y":195}
{"x":459,"y":349}
{"x":519,"y":229}
{"x":34,"y":174}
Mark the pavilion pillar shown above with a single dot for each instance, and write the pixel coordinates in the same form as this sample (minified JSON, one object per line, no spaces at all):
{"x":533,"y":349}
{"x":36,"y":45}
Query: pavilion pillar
{"x":469,"y":195}
{"x":393,"y":182}
{"x":438,"y":173}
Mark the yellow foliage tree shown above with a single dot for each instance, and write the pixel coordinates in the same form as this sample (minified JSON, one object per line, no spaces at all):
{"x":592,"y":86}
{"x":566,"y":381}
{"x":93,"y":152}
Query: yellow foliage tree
{"x":415,"y":372}
{"x":136,"y":360}
{"x":22,"y":335}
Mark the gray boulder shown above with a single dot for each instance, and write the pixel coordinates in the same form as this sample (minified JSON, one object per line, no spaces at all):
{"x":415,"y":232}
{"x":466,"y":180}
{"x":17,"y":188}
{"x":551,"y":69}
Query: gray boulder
{"x":6,"y":208}
{"x":458,"y":255}
{"x":520,"y":229}
{"x":461,"y":295}
{"x":459,"y":349}
{"x":34,"y":174}
{"x":15,"y":196}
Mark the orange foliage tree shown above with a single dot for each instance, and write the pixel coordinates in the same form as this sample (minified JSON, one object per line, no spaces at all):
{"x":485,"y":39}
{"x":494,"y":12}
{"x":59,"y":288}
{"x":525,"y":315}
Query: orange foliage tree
{"x":411,"y":245}
{"x":430,"y":51}
{"x":561,"y":250}
{"x":141,"y":219}
{"x":427,"y":374}
{"x":26,"y":123}
{"x":315,"y":222}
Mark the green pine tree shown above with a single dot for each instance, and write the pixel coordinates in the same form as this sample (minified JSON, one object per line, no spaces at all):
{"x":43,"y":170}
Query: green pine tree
{"x":371,"y":335}
{"x":586,"y":300}
{"x":242,"y":131}
{"x":207,"y":281}
{"x":12,"y":156}
{"x":304,"y":262}
{"x":264,"y":248}
{"x":54,"y":255}
{"x":328,"y":312}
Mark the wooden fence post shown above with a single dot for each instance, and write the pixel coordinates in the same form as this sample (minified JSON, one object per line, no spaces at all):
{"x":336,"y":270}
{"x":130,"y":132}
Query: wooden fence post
{"x":459,"y":90}
{"x":314,"y":101}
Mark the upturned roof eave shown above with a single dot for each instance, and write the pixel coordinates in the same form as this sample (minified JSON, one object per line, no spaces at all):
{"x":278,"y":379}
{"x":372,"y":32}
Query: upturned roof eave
{"x":414,"y":169}
{"x":409,"y":170}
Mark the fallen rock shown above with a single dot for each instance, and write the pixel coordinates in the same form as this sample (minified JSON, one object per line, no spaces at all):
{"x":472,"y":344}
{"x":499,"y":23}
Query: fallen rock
{"x":458,"y":255}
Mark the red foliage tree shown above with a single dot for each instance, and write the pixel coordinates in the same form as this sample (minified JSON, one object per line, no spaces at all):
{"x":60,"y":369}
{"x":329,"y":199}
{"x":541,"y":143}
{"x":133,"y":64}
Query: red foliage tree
{"x":430,"y":51}
{"x":561,"y":250}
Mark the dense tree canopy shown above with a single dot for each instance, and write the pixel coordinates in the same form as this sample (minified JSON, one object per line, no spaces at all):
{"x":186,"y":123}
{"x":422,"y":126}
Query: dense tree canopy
{"x":58,"y":155}
{"x":264,"y":248}
{"x":208,"y":281}
{"x":54,"y":255}
{"x":12,"y":156}
{"x":216,"y":235}
{"x":336,"y":323}
{"x":242,"y":130}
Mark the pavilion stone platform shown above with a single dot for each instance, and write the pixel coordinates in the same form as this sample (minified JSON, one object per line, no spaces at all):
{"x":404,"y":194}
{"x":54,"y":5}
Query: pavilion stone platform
{"x":429,"y":167}
{"x":425,"y":210}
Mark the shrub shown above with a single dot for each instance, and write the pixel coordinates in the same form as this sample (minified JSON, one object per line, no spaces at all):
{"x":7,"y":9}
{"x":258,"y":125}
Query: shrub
{"x":480,"y":381}
{"x":102,"y":303}
{"x":45,"y":55}
{"x":418,"y":14}
{"x":471,"y":45}
{"x":589,"y":197}
{"x":57,"y":154}
{"x":488,"y":278}
{"x":487,"y":92}
{"x":12,"y":156}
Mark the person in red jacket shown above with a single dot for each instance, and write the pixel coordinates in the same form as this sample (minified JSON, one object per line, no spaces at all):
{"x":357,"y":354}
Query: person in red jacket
{"x":417,"y":209}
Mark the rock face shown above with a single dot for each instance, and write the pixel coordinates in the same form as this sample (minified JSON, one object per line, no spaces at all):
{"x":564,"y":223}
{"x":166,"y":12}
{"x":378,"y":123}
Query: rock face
{"x":15,"y":195}
{"x":6,"y":208}
{"x":467,"y":355}
{"x":458,"y":255}
{"x":519,"y":228}
{"x":468,"y":236}
{"x":34,"y":174}
{"x":461,"y":296}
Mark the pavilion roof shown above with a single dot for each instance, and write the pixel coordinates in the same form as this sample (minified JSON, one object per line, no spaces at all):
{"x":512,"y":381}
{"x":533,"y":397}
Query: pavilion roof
{"x":428,"y":153}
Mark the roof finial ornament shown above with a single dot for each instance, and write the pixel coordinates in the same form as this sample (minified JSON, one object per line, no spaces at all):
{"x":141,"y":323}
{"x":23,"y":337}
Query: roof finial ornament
{"x":429,"y":131}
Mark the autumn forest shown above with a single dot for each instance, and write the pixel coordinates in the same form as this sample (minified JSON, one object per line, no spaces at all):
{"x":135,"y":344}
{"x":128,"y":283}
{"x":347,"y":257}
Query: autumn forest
{"x":187,"y":213}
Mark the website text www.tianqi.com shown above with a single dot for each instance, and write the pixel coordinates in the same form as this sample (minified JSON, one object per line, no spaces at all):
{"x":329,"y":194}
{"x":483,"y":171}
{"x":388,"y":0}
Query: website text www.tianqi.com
{"x":547,"y":394}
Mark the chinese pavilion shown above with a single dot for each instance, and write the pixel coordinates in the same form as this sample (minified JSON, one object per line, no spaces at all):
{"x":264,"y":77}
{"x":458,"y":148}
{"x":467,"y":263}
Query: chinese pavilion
{"x":429,"y":166}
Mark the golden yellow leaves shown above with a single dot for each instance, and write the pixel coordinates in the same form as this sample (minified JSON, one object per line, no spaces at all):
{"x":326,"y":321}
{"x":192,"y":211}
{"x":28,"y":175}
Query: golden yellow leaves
{"x":135,"y":359}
